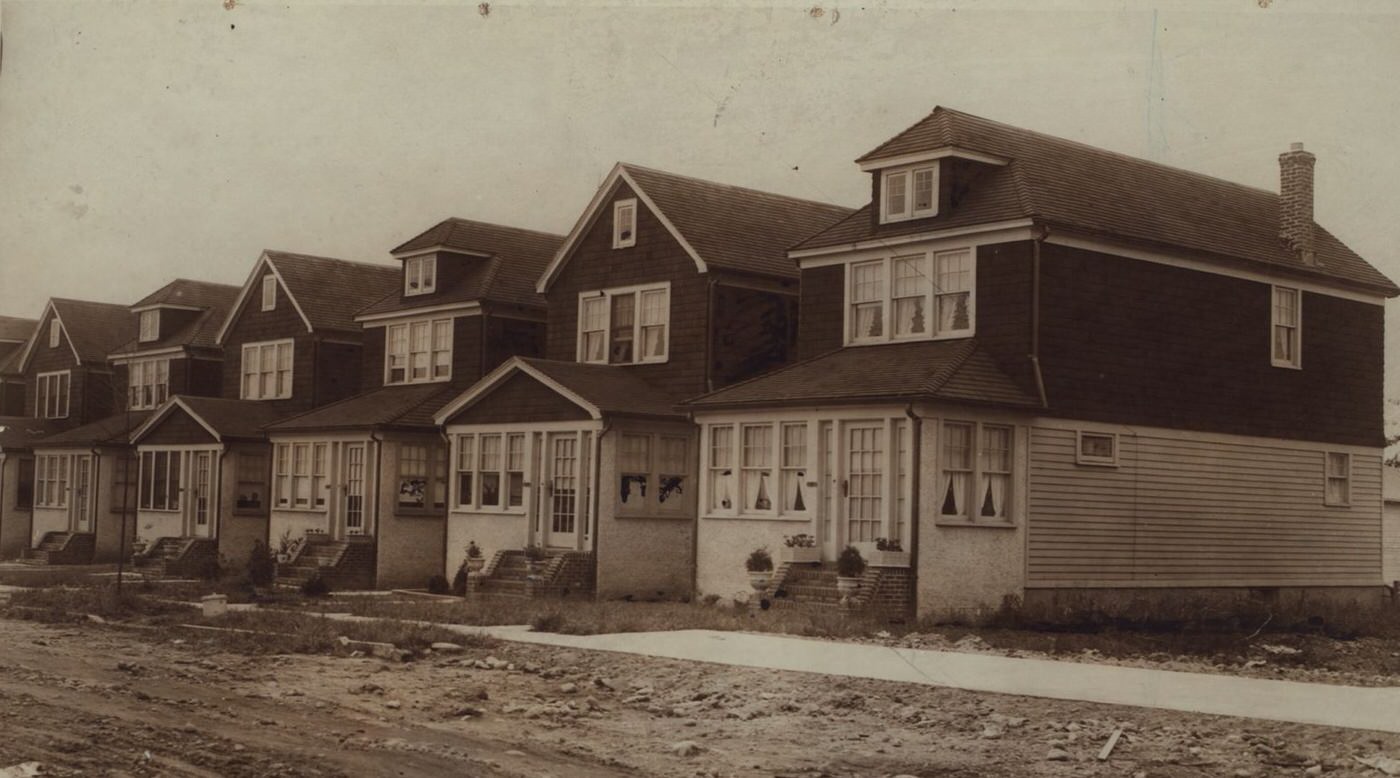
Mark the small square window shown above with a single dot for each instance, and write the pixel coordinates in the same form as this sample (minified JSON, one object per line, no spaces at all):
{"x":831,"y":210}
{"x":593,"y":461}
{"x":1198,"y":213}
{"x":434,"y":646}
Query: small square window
{"x":624,"y":224}
{"x":269,"y":292}
{"x":54,"y":332}
{"x":1097,"y":448}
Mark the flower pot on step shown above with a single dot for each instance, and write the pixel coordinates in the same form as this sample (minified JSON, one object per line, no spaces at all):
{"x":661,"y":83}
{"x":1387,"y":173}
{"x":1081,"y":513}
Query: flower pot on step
{"x":474,"y":564}
{"x":846,"y":587}
{"x":535,"y":568}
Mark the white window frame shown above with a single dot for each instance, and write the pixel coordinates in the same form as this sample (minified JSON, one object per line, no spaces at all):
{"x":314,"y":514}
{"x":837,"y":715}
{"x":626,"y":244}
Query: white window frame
{"x":1295,"y":329}
{"x":638,"y":325}
{"x":149,"y":325}
{"x":1082,"y":458}
{"x":774,"y":469}
{"x":174,"y":471}
{"x":147,"y":383}
{"x":53,"y":475}
{"x":972,"y":507}
{"x":906,"y":178}
{"x":53,"y":394}
{"x":1344,"y":478}
{"x":929,"y":259}
{"x":269,"y":292}
{"x":258,"y":349}
{"x":420,"y":275}
{"x":435,"y":476}
{"x":468,"y":459}
{"x":300,"y":468}
{"x":624,"y":223}
{"x":436,"y":359}
{"x":55,"y":332}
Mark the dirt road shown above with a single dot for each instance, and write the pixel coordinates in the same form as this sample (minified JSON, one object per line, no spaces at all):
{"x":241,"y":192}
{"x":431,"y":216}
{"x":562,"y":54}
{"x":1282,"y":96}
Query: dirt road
{"x":95,"y":700}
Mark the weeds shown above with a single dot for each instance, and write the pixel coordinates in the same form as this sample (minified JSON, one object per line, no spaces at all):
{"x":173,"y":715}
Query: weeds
{"x":282,"y":632}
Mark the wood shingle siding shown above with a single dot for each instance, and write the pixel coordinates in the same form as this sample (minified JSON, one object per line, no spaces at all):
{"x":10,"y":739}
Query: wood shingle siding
{"x":754,"y":332}
{"x":1184,"y":512}
{"x":820,"y":310}
{"x":520,"y":399}
{"x":177,"y":429}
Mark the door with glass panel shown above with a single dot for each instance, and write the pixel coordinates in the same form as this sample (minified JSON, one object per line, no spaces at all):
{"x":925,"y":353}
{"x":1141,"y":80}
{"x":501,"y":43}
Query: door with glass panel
{"x":201,"y":494}
{"x":564,"y":492}
{"x":865,"y":484}
{"x":352,"y":507}
{"x":82,"y":499}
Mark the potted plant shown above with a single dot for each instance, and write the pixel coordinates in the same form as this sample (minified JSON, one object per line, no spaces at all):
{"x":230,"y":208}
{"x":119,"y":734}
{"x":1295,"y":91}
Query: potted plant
{"x":850,"y":566}
{"x":760,"y":567}
{"x":535,"y":560}
{"x":799,"y":549}
{"x":475,"y":561}
{"x":138,"y":547}
{"x":888,"y":553}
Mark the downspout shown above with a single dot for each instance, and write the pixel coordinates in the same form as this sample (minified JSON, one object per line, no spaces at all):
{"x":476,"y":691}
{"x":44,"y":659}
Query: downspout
{"x":1042,"y":232}
{"x":92,"y":500}
{"x":378,"y":494}
{"x":709,"y":333}
{"x":598,"y":489}
{"x":218,"y":503}
{"x":446,"y":498}
{"x":915,"y":444}
{"x":695,"y":530}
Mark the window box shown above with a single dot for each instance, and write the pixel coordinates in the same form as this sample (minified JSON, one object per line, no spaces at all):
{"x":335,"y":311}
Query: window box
{"x":799,"y":556}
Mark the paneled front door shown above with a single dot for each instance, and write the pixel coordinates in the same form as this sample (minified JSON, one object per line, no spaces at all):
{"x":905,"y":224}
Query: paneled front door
{"x":82,"y":494}
{"x":201,"y":493}
{"x":353,"y":476}
{"x":565,"y":492}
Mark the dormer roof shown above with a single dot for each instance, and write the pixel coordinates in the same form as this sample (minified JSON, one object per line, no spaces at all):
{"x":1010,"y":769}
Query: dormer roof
{"x":719,"y":225}
{"x":210,"y":303}
{"x":1079,"y":188}
{"x":92,"y":329}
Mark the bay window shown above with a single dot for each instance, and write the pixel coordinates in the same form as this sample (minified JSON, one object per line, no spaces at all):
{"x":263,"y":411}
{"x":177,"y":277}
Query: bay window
{"x":418,"y":352}
{"x":51,"y":395}
{"x":160,"y":480}
{"x":916,"y":296}
{"x":148,"y":383}
{"x":267,"y":370}
{"x":975,"y":472}
{"x":625,"y":326}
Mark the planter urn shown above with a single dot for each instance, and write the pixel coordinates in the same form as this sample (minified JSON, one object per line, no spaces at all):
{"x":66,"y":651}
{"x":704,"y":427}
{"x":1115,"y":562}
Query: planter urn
{"x":475,"y":563}
{"x":847,"y":587}
{"x":535,"y":568}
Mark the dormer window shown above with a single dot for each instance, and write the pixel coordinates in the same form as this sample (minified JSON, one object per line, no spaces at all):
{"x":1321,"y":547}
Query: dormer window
{"x":916,"y":296}
{"x":624,"y":224}
{"x":269,"y":292}
{"x":150,"y":325}
{"x":54,"y":330}
{"x":909,"y":193}
{"x":419,"y":275}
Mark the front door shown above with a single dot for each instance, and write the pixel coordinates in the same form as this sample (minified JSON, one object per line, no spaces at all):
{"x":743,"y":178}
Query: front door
{"x":353,"y":509}
{"x":201,"y":495}
{"x":564,"y":493}
{"x":830,"y":493}
{"x":865,"y":484}
{"x":82,"y":498}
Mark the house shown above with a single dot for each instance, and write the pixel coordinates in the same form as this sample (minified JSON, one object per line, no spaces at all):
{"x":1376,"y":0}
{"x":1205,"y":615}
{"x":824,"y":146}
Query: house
{"x":1390,"y":534}
{"x":90,"y":514}
{"x":360,"y":485}
{"x":14,"y":333}
{"x":666,"y":287}
{"x":17,"y":436}
{"x":289,"y":344}
{"x":1057,"y":375}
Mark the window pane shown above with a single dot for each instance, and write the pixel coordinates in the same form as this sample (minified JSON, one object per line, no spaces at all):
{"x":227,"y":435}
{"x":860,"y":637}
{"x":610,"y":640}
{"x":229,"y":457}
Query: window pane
{"x":896,"y":186}
{"x":624,"y":311}
{"x":515,"y":470}
{"x":794,"y":475}
{"x":923,"y":190}
{"x":721,"y":475}
{"x":996,"y":471}
{"x":957,"y":469}
{"x":865,"y":483}
{"x":911,"y":288}
{"x":756,"y":458}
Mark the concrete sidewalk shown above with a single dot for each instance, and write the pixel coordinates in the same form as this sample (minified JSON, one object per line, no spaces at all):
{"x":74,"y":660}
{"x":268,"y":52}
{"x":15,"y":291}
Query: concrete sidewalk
{"x":1304,"y":703}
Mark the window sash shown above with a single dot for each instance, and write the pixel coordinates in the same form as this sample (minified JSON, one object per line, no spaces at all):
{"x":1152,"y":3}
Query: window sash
{"x":148,"y":383}
{"x":251,"y":482}
{"x":1337,"y":480}
{"x":160,"y":480}
{"x":422,"y":474}
{"x":267,"y":370}
{"x":976,"y":471}
{"x":269,"y":292}
{"x":909,"y":193}
{"x":624,"y":224}
{"x":624,"y":326}
{"x":1286,"y":327}
{"x":55,"y":330}
{"x":419,"y":275}
{"x":418,"y":352}
{"x":52,"y":395}
{"x":930,"y":295}
{"x":149,"y":325}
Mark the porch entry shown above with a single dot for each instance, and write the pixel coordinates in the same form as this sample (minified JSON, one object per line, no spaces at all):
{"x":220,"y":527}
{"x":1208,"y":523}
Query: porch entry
{"x":561,"y":515}
{"x":184,"y":483}
{"x":328,"y":481}
{"x":82,"y":494}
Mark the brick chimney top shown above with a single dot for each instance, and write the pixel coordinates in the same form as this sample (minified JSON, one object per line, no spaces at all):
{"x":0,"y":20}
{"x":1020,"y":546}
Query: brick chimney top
{"x":1296,"y":201}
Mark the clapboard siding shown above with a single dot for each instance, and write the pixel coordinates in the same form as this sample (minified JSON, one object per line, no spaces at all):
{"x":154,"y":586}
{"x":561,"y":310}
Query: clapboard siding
{"x":1178,"y":511}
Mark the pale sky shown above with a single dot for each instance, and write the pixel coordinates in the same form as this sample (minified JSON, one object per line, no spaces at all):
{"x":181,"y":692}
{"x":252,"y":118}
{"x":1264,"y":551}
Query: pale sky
{"x":143,"y":141}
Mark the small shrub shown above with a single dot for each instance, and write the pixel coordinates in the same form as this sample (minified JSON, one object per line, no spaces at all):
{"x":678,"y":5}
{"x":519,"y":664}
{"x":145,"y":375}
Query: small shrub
{"x":800,"y":540}
{"x":884,"y":544}
{"x":438,"y":585}
{"x":459,"y":581}
{"x":534,"y":553}
{"x":850,"y":564}
{"x":709,"y":599}
{"x":549,"y":621}
{"x":759,"y":561}
{"x":473,"y":550}
{"x":211,"y":570}
{"x":260,"y":568}
{"x":315,"y":586}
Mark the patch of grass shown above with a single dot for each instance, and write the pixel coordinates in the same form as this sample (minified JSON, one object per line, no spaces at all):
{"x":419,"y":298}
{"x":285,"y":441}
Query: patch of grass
{"x":283,"y":632}
{"x":44,"y":575}
{"x":75,"y":603}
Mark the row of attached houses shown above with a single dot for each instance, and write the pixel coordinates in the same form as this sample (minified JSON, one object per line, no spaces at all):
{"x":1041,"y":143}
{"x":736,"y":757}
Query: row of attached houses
{"x":1027,"y":369}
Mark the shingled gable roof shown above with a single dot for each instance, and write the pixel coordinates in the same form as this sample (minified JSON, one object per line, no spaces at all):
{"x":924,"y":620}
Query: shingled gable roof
{"x":14,"y":328}
{"x":1079,"y":188}
{"x":224,"y":419}
{"x":325,"y":291}
{"x":214,"y":301}
{"x":398,"y":407}
{"x":512,"y":259}
{"x":92,"y":329}
{"x":600,"y":390}
{"x":719,"y":225}
{"x":113,"y":430}
{"x":947,"y":370}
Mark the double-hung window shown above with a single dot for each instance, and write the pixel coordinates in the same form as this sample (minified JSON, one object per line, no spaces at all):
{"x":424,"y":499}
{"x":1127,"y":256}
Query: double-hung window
{"x":300,"y":478}
{"x":490,"y":471}
{"x":975,"y":472}
{"x":625,"y":326}
{"x":252,"y":482}
{"x":269,"y":292}
{"x":160,"y":481}
{"x":419,"y":275}
{"x":652,"y":472}
{"x":910,"y":193}
{"x":148,"y":383}
{"x":624,"y":224}
{"x":422,"y":478}
{"x":52,"y":481}
{"x":267,"y":370}
{"x":915,"y":296}
{"x":1338,"y":479}
{"x":150,"y":325}
{"x":51,"y":395}
{"x":418,"y":352}
{"x":758,"y":469}
{"x":1287,"y":327}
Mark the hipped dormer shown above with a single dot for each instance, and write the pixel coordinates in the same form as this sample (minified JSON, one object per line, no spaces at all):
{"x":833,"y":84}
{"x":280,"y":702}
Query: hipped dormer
{"x":427,"y":272}
{"x":924,"y":184}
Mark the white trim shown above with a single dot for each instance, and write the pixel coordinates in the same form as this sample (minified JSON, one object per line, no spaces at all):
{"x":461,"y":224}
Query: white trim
{"x":1296,"y":363}
{"x":431,"y":352}
{"x":498,"y":376}
{"x":1135,"y":430}
{"x":911,"y":211}
{"x":41,"y":397}
{"x":136,"y":356}
{"x":38,"y":331}
{"x":147,"y":366}
{"x":266,"y":301}
{"x":1348,"y":478}
{"x":1263,"y":275}
{"x":247,"y":291}
{"x":141,"y":319}
{"x":606,"y":295}
{"x":155,"y":306}
{"x":619,"y":172}
{"x":1089,"y":460}
{"x":420,"y":264}
{"x":382,"y":319}
{"x":440,"y":249}
{"x":978,"y":235}
{"x":931,"y":331}
{"x":291,"y":369}
{"x":925,"y":156}
{"x":619,"y":241}
{"x":11,"y":340}
{"x":523,"y":426}
{"x":162,"y":413}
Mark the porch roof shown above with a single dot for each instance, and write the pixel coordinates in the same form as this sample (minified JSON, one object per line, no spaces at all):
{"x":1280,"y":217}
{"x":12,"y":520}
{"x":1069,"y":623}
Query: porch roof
{"x":391,"y":406}
{"x":947,"y":370}
{"x":115,"y":430}
{"x":20,"y":432}
{"x":600,"y":390}
{"x":225,"y":419}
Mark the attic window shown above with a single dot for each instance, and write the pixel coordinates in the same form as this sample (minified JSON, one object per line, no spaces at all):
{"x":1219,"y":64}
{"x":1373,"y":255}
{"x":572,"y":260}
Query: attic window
{"x":54,"y":330}
{"x":150,"y":325}
{"x":909,"y":193}
{"x":624,"y":224}
{"x":269,"y":292}
{"x":420,"y":275}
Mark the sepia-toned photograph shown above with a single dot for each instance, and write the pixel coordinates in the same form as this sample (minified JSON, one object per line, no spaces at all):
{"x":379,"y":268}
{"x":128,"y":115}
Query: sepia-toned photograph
{"x":735,"y":389}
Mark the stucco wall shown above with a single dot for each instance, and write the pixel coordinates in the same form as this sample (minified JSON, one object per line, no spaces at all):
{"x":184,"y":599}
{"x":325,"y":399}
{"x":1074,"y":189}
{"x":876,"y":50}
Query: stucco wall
{"x":410,"y":546}
{"x":47,"y":520}
{"x":492,"y":532}
{"x":107,"y":523}
{"x":724,"y":544}
{"x":154,"y":525}
{"x":643,"y":556}
{"x":237,"y":532}
{"x":294,"y":524}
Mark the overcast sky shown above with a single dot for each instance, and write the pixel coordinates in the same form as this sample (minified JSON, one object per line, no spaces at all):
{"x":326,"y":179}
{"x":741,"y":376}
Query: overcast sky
{"x":145,"y":141}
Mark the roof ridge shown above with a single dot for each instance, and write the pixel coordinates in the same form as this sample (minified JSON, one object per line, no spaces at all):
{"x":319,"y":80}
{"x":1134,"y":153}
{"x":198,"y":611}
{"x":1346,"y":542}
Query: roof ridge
{"x":272,"y":253}
{"x":737,"y":187}
{"x":463,"y":220}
